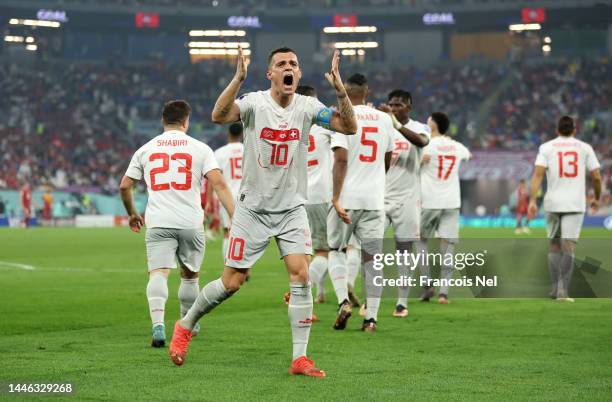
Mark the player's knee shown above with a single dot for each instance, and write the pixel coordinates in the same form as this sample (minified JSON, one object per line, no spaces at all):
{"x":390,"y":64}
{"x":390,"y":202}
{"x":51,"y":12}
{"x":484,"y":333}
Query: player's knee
{"x":568,"y":246}
{"x":300,"y":276}
{"x":188,"y":274}
{"x":233,"y":279}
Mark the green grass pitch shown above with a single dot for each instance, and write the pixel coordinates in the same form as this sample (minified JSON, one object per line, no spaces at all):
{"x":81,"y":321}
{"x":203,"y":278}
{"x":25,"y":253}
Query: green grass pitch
{"x":81,"y":316}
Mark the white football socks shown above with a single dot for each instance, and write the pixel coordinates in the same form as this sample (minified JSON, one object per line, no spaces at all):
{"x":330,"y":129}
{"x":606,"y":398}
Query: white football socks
{"x":187,"y":293}
{"x":338,"y":274}
{"x":317,"y":268}
{"x":422,"y":249}
{"x":353,"y":263}
{"x":300,"y":316}
{"x":554,"y":267}
{"x":566,"y":268}
{"x":213,"y":294}
{"x":446,"y":270}
{"x":157,"y":294}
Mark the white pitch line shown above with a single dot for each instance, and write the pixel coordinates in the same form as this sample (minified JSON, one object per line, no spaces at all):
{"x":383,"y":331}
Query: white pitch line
{"x":6,"y":264}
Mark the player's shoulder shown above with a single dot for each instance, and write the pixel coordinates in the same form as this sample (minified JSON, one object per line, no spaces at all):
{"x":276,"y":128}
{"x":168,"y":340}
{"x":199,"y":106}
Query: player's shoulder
{"x":300,"y":101}
{"x":320,"y":131}
{"x":200,"y":145}
{"x":149,"y":144}
{"x":222,"y":150}
{"x":583,"y":144}
{"x":252,"y":96}
{"x":456,"y":142}
{"x":383,"y":116}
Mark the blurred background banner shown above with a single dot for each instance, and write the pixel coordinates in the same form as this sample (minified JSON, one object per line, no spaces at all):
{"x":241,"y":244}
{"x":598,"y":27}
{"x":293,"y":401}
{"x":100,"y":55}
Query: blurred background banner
{"x":82,"y":82}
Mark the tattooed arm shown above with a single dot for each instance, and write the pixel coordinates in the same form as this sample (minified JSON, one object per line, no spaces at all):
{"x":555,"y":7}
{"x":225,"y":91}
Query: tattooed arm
{"x":226,"y":110}
{"x":342,"y":121}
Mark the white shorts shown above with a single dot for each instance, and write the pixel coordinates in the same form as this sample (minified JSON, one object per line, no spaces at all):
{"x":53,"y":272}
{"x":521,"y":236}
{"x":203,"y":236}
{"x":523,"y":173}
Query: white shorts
{"x":440,"y":223}
{"x":406,"y":221}
{"x":251,"y":232}
{"x":317,"y":219}
{"x":165,"y":246}
{"x":368,"y":226}
{"x":564,"y":225}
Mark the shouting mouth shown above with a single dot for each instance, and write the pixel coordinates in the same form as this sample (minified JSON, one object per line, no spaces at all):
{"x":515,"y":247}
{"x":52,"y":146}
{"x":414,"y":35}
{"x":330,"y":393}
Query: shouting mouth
{"x":288,"y":80}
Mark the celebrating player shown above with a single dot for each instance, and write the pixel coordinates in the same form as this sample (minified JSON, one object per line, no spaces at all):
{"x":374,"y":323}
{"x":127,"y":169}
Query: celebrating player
{"x":319,"y":197}
{"x":441,"y":198}
{"x":403,"y":184}
{"x":273,"y":191}
{"x":173,"y":165}
{"x":360,"y":164}
{"x":565,"y":160}
{"x":229,"y":158}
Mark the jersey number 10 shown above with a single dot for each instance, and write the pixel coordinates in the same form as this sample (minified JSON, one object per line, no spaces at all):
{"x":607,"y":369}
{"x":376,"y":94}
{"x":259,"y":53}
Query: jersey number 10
{"x":165,"y":158}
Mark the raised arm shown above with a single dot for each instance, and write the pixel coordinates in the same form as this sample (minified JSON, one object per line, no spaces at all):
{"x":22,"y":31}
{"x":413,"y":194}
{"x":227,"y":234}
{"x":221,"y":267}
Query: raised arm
{"x":342,"y":121}
{"x":536,"y":181}
{"x":125,"y":188}
{"x":226,"y":110}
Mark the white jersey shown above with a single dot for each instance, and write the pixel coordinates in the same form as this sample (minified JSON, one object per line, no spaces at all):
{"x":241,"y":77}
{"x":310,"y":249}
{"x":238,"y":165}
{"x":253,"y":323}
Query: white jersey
{"x":364,"y":184}
{"x":403,"y":182}
{"x":567,"y":160}
{"x":440,"y":176}
{"x":229,"y":158}
{"x":275,"y":150}
{"x":173,"y":165}
{"x":319,"y":166}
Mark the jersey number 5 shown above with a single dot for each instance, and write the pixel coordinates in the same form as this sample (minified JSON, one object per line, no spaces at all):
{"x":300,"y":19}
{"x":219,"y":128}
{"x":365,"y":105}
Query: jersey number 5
{"x":165,"y":158}
{"x":441,"y":173}
{"x":365,"y":141}
{"x":572,"y":164}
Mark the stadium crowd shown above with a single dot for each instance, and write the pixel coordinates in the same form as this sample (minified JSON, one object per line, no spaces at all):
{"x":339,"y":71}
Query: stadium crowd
{"x":77,"y":124}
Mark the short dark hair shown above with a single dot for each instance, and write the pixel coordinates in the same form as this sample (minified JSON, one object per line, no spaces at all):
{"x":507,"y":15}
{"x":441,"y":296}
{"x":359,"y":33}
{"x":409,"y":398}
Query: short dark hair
{"x":403,"y":95}
{"x":306,"y":90}
{"x":176,"y":112}
{"x":283,"y":49}
{"x":566,"y":126}
{"x":358,"y":80}
{"x":441,"y":121}
{"x":235,"y":129}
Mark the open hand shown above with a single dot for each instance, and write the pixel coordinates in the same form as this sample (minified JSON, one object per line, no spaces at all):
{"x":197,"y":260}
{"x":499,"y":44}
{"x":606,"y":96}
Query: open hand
{"x":241,"y":65}
{"x":342,"y":212}
{"x":532,"y":210}
{"x":136,"y":222}
{"x":594,"y":205}
{"x":383,"y":107}
{"x":333,"y":76}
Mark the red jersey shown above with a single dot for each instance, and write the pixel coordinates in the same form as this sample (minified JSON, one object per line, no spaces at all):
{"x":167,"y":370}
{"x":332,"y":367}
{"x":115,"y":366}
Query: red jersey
{"x":26,"y":201}
{"x":26,"y":198}
{"x":522,"y":198}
